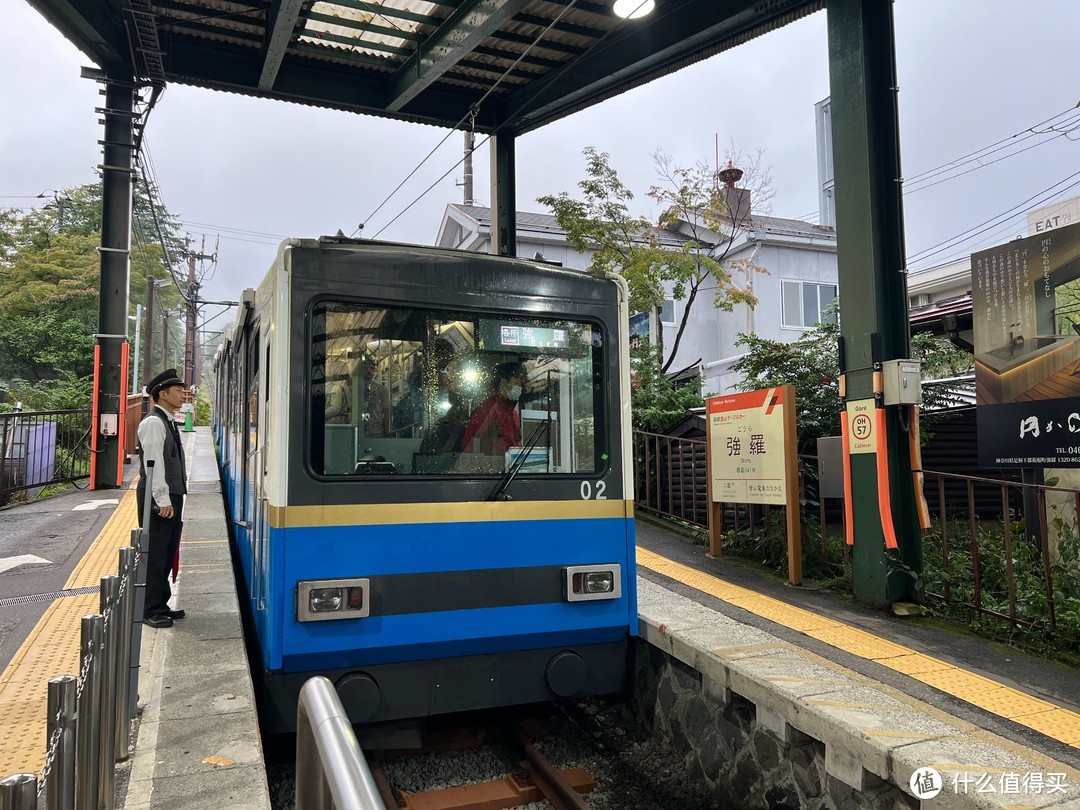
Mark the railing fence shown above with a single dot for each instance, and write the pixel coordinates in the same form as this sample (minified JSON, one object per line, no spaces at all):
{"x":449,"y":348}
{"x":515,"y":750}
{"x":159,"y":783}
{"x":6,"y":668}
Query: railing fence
{"x":979,"y":553}
{"x":38,"y":448}
{"x":89,"y":716}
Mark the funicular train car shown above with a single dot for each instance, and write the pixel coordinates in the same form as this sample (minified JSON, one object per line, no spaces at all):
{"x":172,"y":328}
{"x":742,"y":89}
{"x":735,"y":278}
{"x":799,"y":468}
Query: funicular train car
{"x":425,"y":459}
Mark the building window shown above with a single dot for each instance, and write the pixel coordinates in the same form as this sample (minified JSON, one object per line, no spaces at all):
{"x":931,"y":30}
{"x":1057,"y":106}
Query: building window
{"x":667,"y":312}
{"x":804,"y":303}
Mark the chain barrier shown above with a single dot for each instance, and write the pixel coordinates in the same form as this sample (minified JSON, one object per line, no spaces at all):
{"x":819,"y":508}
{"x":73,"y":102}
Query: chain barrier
{"x":87,"y":662}
{"x":82,"y":676}
{"x":50,"y":753}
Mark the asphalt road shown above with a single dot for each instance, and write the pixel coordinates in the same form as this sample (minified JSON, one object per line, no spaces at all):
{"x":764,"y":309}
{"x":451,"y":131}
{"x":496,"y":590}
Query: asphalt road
{"x":57,"y":529}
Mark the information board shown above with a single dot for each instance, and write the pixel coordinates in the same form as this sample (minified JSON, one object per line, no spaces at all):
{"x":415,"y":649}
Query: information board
{"x":747,"y":447}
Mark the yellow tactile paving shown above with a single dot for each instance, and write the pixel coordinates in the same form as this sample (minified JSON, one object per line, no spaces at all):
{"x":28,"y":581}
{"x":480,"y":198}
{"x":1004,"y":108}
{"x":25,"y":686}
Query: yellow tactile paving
{"x":52,"y":648}
{"x":960,"y":682}
{"x":1061,"y":724}
{"x":1010,"y":703}
{"x":914,"y":664}
{"x":858,"y":642}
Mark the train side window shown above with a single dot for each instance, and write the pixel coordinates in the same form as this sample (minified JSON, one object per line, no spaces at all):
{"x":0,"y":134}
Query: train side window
{"x":409,"y":391}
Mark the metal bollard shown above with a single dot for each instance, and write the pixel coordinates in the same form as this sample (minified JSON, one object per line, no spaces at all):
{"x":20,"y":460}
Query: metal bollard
{"x":88,"y":728}
{"x":140,"y":539}
{"x":60,"y":785}
{"x":18,"y":792}
{"x":123,"y":648}
{"x":110,"y":588}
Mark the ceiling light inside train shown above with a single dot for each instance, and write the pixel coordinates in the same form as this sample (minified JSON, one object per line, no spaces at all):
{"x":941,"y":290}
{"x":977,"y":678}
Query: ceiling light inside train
{"x":633,"y":9}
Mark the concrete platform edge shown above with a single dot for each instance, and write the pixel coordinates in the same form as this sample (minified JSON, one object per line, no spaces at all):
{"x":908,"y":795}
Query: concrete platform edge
{"x":870,"y":731}
{"x":198,"y":744}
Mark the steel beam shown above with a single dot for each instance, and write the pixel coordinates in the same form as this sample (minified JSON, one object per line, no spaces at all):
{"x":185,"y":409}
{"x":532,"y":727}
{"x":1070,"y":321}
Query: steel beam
{"x":472,"y":23}
{"x":116,"y":173}
{"x":503,"y":196}
{"x":873,"y":286}
{"x":279,"y":31}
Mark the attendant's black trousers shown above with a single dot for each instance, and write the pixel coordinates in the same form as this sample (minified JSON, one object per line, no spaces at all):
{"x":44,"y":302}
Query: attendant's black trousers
{"x":164,"y":540}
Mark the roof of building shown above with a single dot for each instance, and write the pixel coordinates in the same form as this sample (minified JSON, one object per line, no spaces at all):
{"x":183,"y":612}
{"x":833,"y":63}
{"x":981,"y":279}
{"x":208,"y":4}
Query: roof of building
{"x":759,"y":224}
{"x":782,"y":226}
{"x":544,"y":223}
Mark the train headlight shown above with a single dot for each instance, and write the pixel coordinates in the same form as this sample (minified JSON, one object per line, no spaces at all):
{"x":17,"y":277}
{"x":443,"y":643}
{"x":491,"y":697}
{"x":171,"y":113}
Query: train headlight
{"x":589,"y":582}
{"x":319,"y":600}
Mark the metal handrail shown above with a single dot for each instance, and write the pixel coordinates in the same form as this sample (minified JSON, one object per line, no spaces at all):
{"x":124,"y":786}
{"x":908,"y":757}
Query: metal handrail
{"x":331,"y":771}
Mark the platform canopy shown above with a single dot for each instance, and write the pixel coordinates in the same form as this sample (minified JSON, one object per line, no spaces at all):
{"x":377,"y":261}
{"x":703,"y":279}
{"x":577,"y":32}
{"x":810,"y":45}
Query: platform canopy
{"x":428,"y":61}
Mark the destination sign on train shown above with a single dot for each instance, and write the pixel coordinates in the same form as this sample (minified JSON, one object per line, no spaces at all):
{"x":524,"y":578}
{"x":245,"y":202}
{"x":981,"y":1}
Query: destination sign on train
{"x":523,"y":335}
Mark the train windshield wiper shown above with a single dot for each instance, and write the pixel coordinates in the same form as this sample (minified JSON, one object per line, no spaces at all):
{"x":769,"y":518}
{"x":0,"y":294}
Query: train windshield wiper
{"x":499,"y":493}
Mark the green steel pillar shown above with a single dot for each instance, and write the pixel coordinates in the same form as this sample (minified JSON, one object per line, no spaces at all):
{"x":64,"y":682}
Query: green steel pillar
{"x":116,"y":173}
{"x":873,"y":285}
{"x":503,"y":196}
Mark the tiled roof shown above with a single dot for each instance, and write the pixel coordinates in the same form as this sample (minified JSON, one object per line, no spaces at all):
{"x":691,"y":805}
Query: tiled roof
{"x":545,"y":223}
{"x":781,"y":226}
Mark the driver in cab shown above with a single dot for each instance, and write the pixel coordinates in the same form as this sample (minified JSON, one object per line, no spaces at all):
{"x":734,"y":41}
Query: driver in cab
{"x":495,"y":426}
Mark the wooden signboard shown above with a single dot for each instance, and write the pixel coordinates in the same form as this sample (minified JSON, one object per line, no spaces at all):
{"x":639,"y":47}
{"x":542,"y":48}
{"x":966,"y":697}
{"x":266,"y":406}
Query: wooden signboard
{"x":752,"y":459}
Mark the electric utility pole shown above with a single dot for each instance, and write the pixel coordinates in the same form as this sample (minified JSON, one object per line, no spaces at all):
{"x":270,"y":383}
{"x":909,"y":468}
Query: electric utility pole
{"x":192,"y":313}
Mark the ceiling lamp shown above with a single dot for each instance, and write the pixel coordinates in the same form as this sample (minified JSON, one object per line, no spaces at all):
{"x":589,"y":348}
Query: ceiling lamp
{"x":633,"y":9}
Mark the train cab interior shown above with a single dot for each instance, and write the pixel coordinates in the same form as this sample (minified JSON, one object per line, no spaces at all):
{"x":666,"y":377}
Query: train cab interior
{"x":405,"y":391}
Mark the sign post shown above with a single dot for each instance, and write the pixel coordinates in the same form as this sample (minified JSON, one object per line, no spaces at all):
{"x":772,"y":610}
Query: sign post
{"x":752,"y":459}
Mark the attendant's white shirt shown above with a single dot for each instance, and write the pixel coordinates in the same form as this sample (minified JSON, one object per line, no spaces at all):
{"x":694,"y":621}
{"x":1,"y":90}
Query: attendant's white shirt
{"x":152,"y":433}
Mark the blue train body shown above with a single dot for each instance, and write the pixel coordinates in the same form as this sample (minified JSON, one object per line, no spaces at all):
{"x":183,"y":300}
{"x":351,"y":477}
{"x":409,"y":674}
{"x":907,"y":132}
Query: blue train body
{"x":423,"y":573}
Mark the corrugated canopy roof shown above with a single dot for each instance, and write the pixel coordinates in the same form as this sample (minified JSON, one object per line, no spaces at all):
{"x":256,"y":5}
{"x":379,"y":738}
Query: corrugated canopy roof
{"x":518,"y":63}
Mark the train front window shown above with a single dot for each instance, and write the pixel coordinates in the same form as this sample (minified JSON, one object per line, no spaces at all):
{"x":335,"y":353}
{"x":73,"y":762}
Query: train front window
{"x":405,"y":391}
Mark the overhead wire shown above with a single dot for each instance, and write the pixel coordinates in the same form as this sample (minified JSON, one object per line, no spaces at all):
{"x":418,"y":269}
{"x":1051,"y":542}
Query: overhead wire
{"x":151,"y":192}
{"x":975,"y":155}
{"x":927,"y":185}
{"x":471,"y":114}
{"x":995,"y":221}
{"x":1061,"y":124}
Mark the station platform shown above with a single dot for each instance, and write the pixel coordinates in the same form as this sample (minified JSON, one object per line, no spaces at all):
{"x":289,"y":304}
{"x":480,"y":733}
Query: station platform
{"x":882,"y":698}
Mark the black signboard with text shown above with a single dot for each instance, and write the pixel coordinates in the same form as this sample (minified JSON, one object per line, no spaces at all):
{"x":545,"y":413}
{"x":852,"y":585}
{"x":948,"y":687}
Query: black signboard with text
{"x":1026,"y":321}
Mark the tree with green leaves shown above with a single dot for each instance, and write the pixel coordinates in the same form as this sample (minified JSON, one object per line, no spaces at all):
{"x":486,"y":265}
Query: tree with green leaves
{"x":812,"y":366}
{"x":49,"y":292}
{"x":685,"y":250}
{"x":655,"y":403}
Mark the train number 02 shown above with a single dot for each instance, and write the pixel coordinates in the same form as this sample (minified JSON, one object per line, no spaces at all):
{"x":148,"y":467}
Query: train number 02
{"x":588,"y":494}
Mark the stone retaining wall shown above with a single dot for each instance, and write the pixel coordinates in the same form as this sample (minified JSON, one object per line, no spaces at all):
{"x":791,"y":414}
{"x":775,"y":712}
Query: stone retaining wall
{"x":742,"y":760}
{"x":769,"y":724}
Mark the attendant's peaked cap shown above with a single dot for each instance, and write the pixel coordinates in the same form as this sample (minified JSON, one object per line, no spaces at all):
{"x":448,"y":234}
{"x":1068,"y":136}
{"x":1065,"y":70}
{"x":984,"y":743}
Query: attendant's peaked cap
{"x":165,"y":379}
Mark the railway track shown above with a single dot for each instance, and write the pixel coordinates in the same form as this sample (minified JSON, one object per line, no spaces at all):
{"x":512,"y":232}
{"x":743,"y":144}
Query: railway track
{"x":529,"y":776}
{"x":598,"y":747}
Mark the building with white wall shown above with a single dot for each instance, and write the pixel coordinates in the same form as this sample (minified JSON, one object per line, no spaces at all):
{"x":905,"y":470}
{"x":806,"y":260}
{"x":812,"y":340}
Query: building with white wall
{"x":797,"y":282}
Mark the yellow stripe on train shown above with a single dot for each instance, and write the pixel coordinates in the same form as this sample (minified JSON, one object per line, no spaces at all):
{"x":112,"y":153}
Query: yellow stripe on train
{"x":378,"y":514}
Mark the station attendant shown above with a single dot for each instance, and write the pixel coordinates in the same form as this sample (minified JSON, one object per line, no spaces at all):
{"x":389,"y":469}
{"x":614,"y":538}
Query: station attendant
{"x":159,"y":441}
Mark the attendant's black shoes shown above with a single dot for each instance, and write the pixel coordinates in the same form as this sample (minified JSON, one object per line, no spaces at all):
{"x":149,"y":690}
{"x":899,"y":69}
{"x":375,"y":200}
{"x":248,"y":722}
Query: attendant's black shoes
{"x":175,"y":614}
{"x":160,"y":620}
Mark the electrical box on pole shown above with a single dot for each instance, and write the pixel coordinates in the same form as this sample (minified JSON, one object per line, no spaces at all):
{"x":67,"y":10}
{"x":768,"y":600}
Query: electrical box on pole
{"x":903,"y":382}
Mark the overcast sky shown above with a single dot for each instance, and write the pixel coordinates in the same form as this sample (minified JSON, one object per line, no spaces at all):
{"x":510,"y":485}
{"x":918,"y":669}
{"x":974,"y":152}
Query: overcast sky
{"x":971,"y":73}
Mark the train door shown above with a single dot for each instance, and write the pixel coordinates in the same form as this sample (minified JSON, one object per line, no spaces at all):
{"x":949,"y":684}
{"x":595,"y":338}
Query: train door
{"x":260,"y":540}
{"x":252,"y":412}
